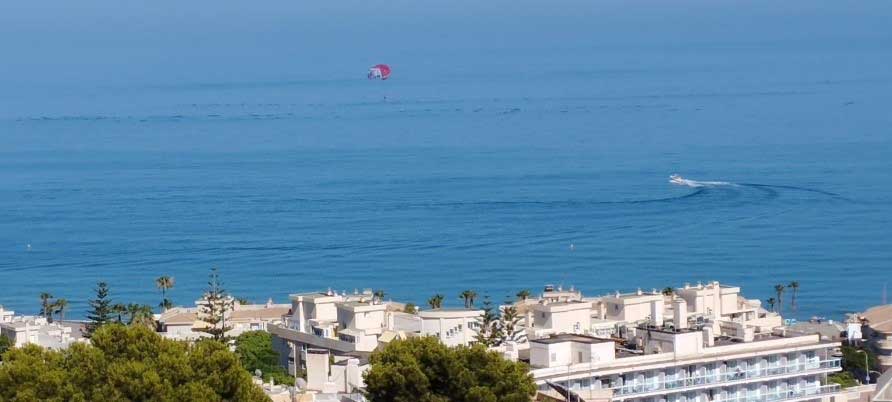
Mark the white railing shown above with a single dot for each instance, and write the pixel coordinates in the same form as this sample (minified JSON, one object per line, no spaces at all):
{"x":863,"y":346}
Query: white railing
{"x":785,"y":395}
{"x":723,"y":377}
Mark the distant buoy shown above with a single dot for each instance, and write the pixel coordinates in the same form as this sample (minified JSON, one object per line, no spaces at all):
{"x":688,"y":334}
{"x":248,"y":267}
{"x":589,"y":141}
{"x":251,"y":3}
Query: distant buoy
{"x":29,"y":246}
{"x":572,"y":247}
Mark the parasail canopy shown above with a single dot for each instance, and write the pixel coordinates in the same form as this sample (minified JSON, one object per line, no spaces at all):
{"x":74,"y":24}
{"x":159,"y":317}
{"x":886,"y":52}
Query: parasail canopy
{"x":379,"y":71}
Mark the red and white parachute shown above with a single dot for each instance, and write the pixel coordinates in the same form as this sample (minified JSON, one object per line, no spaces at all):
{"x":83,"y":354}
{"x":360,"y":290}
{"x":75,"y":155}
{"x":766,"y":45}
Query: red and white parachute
{"x":379,"y":71}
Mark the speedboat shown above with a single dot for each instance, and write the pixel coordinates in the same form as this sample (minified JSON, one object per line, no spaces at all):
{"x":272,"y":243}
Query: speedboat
{"x":676,"y":179}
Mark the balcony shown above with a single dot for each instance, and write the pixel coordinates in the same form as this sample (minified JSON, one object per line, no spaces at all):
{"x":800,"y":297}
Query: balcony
{"x":682,"y":384}
{"x":805,"y":393}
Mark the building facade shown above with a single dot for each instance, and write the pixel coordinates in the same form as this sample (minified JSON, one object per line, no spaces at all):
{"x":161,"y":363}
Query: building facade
{"x":877,"y":333}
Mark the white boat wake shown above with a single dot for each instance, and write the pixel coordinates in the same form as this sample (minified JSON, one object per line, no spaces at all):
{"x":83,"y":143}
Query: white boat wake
{"x":681,"y":181}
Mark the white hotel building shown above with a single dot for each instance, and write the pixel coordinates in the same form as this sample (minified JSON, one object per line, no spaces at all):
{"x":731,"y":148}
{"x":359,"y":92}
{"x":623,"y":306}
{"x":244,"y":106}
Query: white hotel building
{"x":712,"y":346}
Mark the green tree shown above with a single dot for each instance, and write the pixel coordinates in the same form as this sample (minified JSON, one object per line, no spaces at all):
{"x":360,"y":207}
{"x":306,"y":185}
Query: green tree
{"x":436,"y":301}
{"x":424,"y":370}
{"x":410,"y":308}
{"x":489,"y":332}
{"x":779,"y":290}
{"x":771,"y":302}
{"x":100,"y":309}
{"x":509,"y":322}
{"x":524,"y":294}
{"x":215,"y":306}
{"x":378,"y":295}
{"x":668,"y":291}
{"x":794,"y":286}
{"x":45,"y":303}
{"x":255,"y":351}
{"x":853,"y":361}
{"x":468,"y":296}
{"x":59,"y":308}
{"x":127,"y":364}
{"x":141,"y":314}
{"x":164,"y":283}
{"x":5,"y":344}
{"x":844,"y":379}
{"x":120,"y":310}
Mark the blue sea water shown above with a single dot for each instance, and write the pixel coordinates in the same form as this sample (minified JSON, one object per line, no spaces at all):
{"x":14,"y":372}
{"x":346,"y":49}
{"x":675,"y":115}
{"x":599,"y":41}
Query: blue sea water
{"x":483,"y":165}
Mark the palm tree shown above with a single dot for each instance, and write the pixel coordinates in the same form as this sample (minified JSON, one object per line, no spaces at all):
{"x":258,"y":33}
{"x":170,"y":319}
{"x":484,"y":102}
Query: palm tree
{"x":45,"y":305}
{"x":794,"y":286}
{"x":468,"y":296}
{"x":523,"y":295}
{"x":378,"y":295}
{"x":59,"y":306}
{"x":120,"y":310}
{"x":164,"y":283}
{"x":668,"y":291}
{"x":771,"y":302}
{"x":436,"y":301}
{"x":141,"y":314}
{"x":779,"y":289}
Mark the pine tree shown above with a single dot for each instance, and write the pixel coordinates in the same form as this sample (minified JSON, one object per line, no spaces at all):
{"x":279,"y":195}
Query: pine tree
{"x":100,"y":310}
{"x":489,"y":332}
{"x":510,"y":324}
{"x":215,"y":305}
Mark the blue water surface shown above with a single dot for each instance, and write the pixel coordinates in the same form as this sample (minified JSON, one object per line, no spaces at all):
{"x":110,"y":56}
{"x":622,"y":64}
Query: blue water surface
{"x":494,"y":160}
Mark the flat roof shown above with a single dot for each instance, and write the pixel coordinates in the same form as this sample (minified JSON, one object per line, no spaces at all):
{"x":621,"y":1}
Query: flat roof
{"x":664,"y":330}
{"x":354,"y":304}
{"x":560,"y":338}
{"x":725,"y":340}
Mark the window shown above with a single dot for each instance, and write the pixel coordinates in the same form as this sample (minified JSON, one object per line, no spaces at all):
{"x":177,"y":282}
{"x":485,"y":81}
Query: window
{"x":579,"y":357}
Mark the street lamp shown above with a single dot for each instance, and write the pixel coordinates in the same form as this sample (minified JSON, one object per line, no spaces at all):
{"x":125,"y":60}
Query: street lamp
{"x":866,"y":366}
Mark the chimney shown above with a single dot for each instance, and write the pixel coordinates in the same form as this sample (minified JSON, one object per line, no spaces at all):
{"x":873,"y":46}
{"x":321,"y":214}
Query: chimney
{"x":656,"y":312}
{"x":708,"y":336}
{"x":680,"y":313}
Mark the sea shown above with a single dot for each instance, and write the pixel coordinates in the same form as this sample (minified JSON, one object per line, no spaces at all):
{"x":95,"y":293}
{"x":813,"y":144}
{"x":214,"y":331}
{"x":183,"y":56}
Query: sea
{"x":493,"y":163}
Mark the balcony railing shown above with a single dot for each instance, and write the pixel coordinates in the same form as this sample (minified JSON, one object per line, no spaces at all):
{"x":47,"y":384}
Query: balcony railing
{"x":785,"y":395}
{"x":724,"y":377}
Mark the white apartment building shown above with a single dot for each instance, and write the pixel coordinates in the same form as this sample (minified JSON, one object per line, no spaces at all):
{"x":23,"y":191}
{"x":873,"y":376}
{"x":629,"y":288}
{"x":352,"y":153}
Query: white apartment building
{"x":184,"y":323}
{"x":22,"y":330}
{"x":570,"y":317}
{"x":703,"y":343}
{"x":453,"y":327}
{"x":721,"y":306}
{"x":343,"y":326}
{"x":683,"y":366}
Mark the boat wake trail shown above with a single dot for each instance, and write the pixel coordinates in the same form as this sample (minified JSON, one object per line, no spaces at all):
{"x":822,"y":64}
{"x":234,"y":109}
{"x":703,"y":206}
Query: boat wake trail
{"x":680,"y":181}
{"x":767,"y":188}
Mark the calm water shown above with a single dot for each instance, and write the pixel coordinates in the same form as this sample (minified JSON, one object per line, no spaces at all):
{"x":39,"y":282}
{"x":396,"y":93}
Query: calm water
{"x":481,"y":175}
